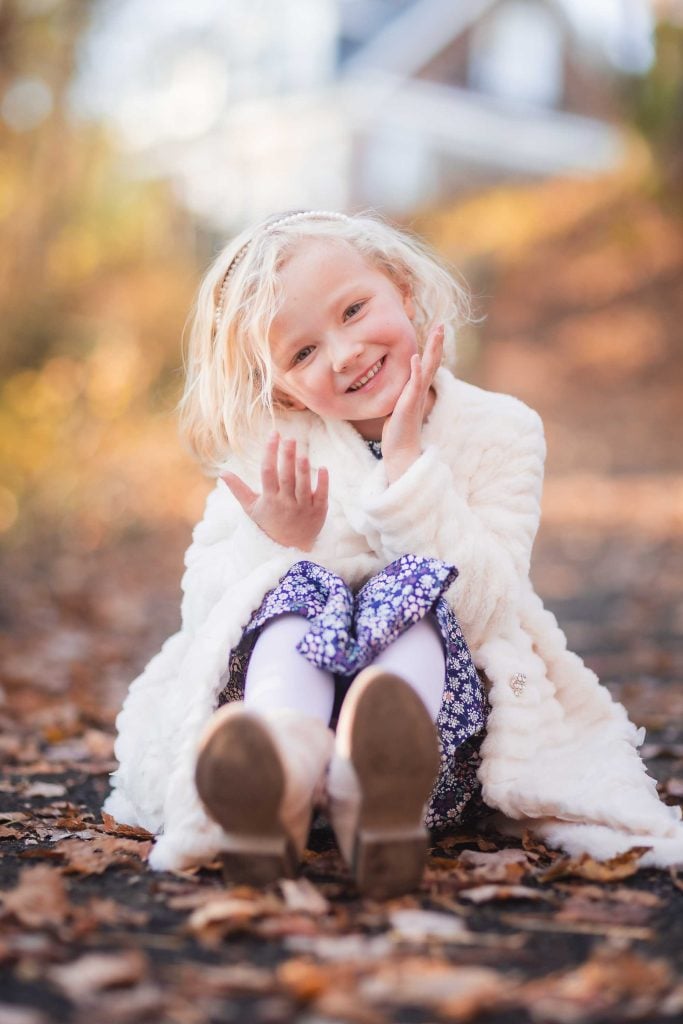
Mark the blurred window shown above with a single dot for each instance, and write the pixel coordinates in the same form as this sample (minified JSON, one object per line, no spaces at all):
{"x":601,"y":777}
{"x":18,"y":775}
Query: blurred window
{"x":516,"y":54}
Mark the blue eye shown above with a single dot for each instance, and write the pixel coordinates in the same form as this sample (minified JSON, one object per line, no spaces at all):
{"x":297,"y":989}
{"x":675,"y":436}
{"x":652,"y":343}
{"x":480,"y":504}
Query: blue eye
{"x":302,"y":353}
{"x":352,"y":310}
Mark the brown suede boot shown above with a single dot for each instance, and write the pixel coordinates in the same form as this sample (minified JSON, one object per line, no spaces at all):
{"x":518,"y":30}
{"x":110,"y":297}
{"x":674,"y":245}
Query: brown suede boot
{"x":259,"y":775}
{"x":385,"y":763}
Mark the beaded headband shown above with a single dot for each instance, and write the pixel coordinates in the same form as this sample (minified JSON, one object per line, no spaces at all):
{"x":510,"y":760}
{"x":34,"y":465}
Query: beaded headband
{"x":290,"y":218}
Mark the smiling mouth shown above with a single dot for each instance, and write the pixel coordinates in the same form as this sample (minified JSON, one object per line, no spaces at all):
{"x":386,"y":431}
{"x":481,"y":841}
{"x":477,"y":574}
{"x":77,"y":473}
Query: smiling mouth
{"x":372,"y":372}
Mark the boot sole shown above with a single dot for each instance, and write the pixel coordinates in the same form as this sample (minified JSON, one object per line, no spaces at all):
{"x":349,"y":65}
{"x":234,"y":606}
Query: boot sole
{"x":240,"y":780}
{"x":396,"y":766}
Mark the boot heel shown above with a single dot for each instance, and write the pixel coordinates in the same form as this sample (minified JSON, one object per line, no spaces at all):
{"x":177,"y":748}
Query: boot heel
{"x":259,"y":866}
{"x":386,"y":864}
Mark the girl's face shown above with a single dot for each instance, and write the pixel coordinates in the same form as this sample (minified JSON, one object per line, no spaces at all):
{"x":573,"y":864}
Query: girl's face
{"x":343,"y":337}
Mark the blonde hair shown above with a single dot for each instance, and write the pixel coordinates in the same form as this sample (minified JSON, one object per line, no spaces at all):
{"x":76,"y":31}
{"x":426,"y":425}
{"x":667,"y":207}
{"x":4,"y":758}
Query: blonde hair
{"x":229,"y":372}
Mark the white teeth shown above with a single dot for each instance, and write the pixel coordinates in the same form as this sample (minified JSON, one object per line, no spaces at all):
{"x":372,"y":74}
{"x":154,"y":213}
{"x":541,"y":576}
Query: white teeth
{"x":368,"y":376}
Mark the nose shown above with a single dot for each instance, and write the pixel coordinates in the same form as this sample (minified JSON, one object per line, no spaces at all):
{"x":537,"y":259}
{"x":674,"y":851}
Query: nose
{"x":345,"y":352}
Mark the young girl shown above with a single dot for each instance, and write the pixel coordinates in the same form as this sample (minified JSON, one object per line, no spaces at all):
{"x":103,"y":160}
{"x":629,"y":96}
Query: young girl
{"x":363,"y":563}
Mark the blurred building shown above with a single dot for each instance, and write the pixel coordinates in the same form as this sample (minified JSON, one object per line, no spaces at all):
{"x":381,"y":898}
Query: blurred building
{"x":259,"y":105}
{"x":450,"y":96}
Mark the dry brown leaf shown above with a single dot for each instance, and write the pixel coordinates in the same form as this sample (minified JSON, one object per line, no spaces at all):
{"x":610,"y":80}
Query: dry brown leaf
{"x":94,"y":856}
{"x":12,"y":832}
{"x":285,"y":925}
{"x":620,"y":894}
{"x":462,"y":839}
{"x":507,"y":866}
{"x":40,"y":898}
{"x":112,"y":827}
{"x":106,"y":911}
{"x":225,"y":914}
{"x":652,"y":751}
{"x":678,"y":882}
{"x":413,"y":925}
{"x":577,"y":908}
{"x":457,"y":992}
{"x":14,"y":816}
{"x":344,"y":1005}
{"x":488,"y":893}
{"x":613,"y":870}
{"x":222,"y":980}
{"x":673,"y":788}
{"x":48,"y":790}
{"x":95,"y":972}
{"x":301,"y":896}
{"x":606,"y":980}
{"x":306,"y":981}
{"x":550,"y":924}
{"x":352,"y":948}
{"x":140,"y":1004}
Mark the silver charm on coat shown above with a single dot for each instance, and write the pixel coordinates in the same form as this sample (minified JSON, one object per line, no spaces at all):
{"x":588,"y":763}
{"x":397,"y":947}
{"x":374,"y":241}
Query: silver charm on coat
{"x":517,"y":683}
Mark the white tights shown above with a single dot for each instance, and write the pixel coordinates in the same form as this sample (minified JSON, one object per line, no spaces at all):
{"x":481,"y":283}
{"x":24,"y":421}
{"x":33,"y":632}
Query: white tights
{"x":279,"y":677}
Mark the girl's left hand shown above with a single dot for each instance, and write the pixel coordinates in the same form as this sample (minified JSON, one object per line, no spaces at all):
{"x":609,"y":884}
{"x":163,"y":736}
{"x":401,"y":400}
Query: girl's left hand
{"x":402,"y":430}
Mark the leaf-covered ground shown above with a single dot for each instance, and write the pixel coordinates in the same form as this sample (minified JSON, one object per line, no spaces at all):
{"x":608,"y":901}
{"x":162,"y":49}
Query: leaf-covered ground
{"x":500,"y":930}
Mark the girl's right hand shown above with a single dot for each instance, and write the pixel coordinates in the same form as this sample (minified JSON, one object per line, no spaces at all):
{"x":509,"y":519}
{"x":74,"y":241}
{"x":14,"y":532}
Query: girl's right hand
{"x":288,"y":509}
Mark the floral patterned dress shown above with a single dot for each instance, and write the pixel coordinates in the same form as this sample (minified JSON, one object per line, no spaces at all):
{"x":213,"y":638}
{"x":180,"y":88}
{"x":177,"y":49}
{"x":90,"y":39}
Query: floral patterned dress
{"x":348,"y":631}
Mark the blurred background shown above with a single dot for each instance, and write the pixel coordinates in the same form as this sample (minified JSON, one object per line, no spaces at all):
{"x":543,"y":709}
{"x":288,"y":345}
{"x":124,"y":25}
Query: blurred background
{"x":537,"y":144}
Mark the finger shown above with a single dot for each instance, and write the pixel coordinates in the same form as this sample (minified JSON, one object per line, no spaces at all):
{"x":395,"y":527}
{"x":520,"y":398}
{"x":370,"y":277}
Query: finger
{"x":303,"y":481}
{"x":288,"y":468}
{"x":433,"y":353}
{"x":322,"y":488}
{"x":241,"y":491}
{"x":270,"y":480}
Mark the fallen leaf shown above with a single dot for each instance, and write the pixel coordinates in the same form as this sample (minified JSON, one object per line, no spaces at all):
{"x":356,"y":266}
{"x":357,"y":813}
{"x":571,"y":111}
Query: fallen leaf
{"x":306,"y":981}
{"x":652,"y":751}
{"x":223,"y":980}
{"x":458,"y":992}
{"x":106,"y":911}
{"x":112,"y":827}
{"x":422,"y":925}
{"x":342,"y":1004}
{"x":488,"y":893}
{"x":355,"y":947}
{"x":225,"y":914}
{"x":285,"y":925}
{"x":39,"y":900}
{"x":672,"y":787}
{"x":612,"y":870}
{"x":43,"y":789}
{"x":550,"y":924}
{"x":678,"y":882}
{"x":94,"y":856}
{"x":140,"y":1004}
{"x":11,"y":832}
{"x":463,"y":839}
{"x":301,"y":895}
{"x":94,"y":972}
{"x":608,"y":979}
{"x":502,"y":866}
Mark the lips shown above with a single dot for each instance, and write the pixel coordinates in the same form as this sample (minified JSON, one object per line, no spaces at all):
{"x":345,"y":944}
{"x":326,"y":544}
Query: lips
{"x":368,"y":375}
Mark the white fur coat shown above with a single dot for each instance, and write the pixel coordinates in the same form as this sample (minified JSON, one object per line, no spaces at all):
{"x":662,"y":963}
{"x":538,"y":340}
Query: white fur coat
{"x":560,"y":755}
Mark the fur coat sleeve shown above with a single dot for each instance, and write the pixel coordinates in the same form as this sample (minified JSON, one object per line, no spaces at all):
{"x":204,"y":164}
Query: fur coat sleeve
{"x":559,"y":755}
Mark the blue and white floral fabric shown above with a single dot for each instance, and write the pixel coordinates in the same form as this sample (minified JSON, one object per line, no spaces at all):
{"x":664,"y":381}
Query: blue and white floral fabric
{"x":348,"y":631}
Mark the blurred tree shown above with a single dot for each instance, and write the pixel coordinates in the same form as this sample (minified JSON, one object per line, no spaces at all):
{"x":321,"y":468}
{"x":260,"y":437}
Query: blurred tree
{"x":97,"y":278}
{"x":656,"y":101}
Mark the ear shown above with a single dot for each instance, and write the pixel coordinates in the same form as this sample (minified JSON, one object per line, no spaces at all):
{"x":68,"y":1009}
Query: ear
{"x":285,"y":401}
{"x":408,"y":301}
